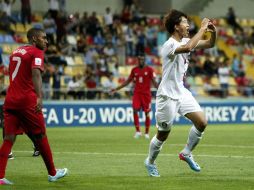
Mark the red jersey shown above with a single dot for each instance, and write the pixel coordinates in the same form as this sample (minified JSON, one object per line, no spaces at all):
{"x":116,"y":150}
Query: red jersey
{"x":142,"y":78}
{"x":21,"y":92}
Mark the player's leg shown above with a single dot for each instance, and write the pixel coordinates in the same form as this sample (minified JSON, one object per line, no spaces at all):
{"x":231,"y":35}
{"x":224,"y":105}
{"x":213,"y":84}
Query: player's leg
{"x":10,"y":126}
{"x":10,"y":156}
{"x":154,"y":150}
{"x":35,"y":126}
{"x":35,"y":147}
{"x":147,"y":125}
{"x":146,"y":106}
{"x":196,"y":131}
{"x":194,"y":137}
{"x":165,"y":114}
{"x":138,"y":133}
{"x":41,"y":141}
{"x":191,"y":109}
{"x":4,"y":153}
{"x":136,"y":105}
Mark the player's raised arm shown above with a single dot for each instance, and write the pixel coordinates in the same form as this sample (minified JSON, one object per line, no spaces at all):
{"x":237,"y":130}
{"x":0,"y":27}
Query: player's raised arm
{"x":195,"y":40}
{"x":203,"y":44}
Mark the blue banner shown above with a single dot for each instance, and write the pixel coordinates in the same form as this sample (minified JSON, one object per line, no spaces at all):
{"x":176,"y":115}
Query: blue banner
{"x":119,"y":113}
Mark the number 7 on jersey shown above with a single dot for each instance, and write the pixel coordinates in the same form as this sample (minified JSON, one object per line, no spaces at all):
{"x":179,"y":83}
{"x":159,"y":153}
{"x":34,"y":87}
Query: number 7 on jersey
{"x":15,"y":72}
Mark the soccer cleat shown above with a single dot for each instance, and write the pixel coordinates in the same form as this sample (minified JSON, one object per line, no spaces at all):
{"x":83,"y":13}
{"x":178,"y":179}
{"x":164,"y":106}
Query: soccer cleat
{"x":10,"y":156}
{"x":36,"y":152}
{"x":5,"y":181}
{"x":147,"y":136}
{"x":59,"y":174}
{"x":189,"y":159}
{"x":137,"y":135}
{"x":151,"y":169}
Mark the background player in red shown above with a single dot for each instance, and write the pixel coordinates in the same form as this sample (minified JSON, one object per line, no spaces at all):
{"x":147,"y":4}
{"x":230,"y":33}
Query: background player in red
{"x":142,"y":76}
{"x":23,"y":103}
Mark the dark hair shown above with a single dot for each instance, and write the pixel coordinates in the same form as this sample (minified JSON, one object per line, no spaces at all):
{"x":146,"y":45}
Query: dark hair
{"x":174,"y":17}
{"x":33,"y":32}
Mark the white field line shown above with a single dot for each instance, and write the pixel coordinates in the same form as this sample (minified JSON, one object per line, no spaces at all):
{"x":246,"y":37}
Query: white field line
{"x":168,"y":144}
{"x":219,"y":146}
{"x":143,"y":155}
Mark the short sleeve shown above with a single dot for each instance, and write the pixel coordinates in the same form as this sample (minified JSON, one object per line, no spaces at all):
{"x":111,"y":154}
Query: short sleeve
{"x":169,"y":47}
{"x":38,"y":60}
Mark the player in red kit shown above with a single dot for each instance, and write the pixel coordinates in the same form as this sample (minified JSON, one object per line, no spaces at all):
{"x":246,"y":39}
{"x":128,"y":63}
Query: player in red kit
{"x":23,"y":103}
{"x":142,"y":76}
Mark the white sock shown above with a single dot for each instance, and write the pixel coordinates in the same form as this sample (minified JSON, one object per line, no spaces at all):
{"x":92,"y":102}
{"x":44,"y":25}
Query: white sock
{"x":193,"y":139}
{"x":154,"y":149}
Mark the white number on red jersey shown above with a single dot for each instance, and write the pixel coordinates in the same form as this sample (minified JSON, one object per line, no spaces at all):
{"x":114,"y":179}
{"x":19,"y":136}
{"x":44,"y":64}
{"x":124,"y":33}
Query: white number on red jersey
{"x":140,"y":79}
{"x":15,"y":72}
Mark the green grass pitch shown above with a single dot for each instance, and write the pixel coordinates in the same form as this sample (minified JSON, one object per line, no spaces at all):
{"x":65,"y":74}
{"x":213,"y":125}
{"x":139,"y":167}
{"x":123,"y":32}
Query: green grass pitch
{"x":109,"y":158}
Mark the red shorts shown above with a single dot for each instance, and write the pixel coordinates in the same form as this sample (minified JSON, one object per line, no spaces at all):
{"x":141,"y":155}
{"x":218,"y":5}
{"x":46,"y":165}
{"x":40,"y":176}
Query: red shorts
{"x":17,"y":121}
{"x":141,"y":101}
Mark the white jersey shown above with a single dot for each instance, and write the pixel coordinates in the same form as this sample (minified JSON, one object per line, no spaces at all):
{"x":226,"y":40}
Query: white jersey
{"x":174,"y":67}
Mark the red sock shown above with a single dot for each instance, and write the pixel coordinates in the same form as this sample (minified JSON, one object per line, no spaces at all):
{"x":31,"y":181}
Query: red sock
{"x":147,"y":124}
{"x":4,"y":152}
{"x":46,"y":154}
{"x":136,"y":121}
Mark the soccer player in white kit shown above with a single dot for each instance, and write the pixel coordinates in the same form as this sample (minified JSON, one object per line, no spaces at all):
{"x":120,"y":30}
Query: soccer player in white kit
{"x":172,"y":97}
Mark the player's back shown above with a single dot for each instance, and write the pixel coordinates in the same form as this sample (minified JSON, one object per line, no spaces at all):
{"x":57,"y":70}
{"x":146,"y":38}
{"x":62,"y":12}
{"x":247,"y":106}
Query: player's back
{"x":21,"y":92}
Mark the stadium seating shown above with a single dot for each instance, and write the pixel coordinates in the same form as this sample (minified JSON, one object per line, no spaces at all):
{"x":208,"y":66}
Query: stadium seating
{"x":215,"y":82}
{"x":37,"y":17}
{"x":69,"y":60}
{"x":220,"y":22}
{"x":68,"y":71}
{"x":79,"y":60}
{"x":233,"y":87}
{"x":124,"y":70}
{"x":76,"y":63}
{"x":199,"y":83}
{"x":6,"y":48}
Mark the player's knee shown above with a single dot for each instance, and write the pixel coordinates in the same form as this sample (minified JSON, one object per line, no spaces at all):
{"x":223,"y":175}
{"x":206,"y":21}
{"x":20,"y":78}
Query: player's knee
{"x":201,"y":125}
{"x":11,"y":138}
{"x":37,"y":136}
{"x":164,"y":126}
{"x":135,"y":111}
{"x":147,"y":114}
{"x":162,"y":135}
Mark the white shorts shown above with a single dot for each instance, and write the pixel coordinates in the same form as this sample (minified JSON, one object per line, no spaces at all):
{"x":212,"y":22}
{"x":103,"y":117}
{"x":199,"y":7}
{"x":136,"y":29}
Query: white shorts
{"x":167,"y":108}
